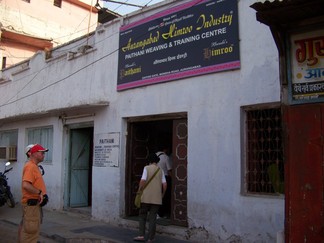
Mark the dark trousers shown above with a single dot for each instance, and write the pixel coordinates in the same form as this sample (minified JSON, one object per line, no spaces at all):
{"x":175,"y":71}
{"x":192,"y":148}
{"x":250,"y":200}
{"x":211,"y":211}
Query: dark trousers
{"x":165,"y":209}
{"x":152,"y":209}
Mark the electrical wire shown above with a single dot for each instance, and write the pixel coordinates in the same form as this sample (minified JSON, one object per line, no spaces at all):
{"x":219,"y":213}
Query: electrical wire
{"x":56,"y":39}
{"x":44,"y":67}
{"x":119,"y":6}
{"x":90,"y":11}
{"x":10,"y":55}
{"x":60,"y":80}
{"x":60,"y":37}
{"x":148,"y":3}
{"x":22,"y":26}
{"x":68,"y":76}
{"x":56,"y":82}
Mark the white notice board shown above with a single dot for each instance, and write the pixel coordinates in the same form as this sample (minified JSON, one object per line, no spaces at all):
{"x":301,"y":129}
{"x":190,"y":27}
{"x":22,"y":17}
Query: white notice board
{"x":106,"y":149}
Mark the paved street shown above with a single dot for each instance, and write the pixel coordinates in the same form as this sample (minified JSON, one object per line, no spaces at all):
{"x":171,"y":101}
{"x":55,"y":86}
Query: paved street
{"x":8,"y":233}
{"x":67,"y":227}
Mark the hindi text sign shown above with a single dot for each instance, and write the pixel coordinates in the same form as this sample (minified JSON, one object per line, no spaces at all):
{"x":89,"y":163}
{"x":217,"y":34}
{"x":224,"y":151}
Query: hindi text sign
{"x":307,"y":79}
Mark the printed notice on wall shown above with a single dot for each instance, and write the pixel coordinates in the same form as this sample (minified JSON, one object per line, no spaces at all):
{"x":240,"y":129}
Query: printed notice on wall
{"x":307,"y":60}
{"x":106,"y":150}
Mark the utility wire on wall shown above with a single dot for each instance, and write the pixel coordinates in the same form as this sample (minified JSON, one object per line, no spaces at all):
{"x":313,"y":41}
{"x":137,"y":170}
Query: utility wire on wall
{"x":64,"y":78}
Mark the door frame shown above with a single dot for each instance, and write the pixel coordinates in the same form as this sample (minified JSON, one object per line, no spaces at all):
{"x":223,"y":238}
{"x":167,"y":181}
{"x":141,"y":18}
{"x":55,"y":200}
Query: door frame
{"x":67,"y":153}
{"x":304,"y":172}
{"x":129,"y":184}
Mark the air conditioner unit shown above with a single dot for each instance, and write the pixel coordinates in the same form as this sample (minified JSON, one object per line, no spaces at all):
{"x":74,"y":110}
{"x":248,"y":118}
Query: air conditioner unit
{"x":8,"y":153}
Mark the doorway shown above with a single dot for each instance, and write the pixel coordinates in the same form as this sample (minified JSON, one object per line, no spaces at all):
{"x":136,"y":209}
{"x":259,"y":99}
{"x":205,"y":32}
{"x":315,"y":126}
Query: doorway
{"x":145,"y":137}
{"x":304,"y":173}
{"x":80,"y":167}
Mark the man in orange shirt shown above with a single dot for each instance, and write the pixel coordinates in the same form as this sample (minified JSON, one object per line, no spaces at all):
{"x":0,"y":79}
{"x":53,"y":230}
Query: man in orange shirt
{"x":33,"y":195}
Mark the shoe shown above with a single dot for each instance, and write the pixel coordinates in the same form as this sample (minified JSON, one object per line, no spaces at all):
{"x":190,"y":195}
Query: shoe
{"x":139,"y":238}
{"x":150,"y":241}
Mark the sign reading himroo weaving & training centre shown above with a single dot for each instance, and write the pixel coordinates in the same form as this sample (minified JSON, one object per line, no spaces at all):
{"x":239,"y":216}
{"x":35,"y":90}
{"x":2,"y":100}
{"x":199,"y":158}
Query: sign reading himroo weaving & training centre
{"x":194,"y":38}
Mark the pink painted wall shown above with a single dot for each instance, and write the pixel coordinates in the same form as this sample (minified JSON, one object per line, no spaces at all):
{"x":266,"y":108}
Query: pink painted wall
{"x":43,"y":20}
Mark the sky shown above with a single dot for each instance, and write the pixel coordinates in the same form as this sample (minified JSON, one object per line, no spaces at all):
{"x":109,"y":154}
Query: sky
{"x":125,"y":9}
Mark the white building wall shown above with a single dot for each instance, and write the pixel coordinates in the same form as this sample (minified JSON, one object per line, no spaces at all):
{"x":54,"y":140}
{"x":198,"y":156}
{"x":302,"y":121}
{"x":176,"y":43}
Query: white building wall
{"x":53,"y":172}
{"x":217,"y":211}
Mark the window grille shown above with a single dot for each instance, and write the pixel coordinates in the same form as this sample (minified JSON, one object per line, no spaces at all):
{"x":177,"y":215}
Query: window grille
{"x":264,"y":162}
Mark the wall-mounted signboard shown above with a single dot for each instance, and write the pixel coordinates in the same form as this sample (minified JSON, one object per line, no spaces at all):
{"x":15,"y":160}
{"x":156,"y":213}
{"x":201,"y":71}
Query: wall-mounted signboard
{"x":307,"y":67}
{"x":106,"y":150}
{"x":194,"y":38}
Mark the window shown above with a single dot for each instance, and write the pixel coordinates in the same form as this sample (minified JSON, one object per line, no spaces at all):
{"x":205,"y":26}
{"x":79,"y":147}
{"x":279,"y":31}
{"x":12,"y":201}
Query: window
{"x":264,"y":168}
{"x":58,"y":3}
{"x":8,"y":145}
{"x":43,"y":136}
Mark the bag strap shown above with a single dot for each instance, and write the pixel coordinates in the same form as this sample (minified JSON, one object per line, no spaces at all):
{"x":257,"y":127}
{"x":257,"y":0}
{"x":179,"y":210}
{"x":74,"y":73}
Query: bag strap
{"x":146,"y":184}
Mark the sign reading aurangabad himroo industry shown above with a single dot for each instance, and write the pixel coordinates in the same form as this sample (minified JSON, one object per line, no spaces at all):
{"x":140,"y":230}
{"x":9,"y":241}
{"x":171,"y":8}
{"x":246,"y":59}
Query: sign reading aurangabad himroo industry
{"x":194,"y":38}
{"x":307,"y":67}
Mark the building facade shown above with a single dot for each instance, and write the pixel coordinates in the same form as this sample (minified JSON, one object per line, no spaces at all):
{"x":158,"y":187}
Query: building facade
{"x":28,"y":26}
{"x":296,"y":27}
{"x":209,"y":90}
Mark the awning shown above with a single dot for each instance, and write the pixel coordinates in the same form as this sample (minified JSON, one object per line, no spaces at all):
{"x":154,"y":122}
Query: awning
{"x":17,"y":37}
{"x":287,"y":12}
{"x":64,"y":113}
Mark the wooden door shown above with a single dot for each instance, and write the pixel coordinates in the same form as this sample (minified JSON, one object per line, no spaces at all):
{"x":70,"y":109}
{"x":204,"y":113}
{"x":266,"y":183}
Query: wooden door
{"x":139,"y":140}
{"x":304,"y":127}
{"x":144,"y":138}
{"x":80,"y":167}
{"x":179,"y":173}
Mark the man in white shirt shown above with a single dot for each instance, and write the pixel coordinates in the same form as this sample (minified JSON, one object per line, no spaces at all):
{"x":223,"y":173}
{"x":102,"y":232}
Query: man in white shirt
{"x":166,"y":166}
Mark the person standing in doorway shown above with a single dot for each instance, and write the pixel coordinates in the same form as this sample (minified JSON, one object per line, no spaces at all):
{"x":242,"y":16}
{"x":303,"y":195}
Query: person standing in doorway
{"x":165,"y":164}
{"x":33,"y":196}
{"x":152,"y":197}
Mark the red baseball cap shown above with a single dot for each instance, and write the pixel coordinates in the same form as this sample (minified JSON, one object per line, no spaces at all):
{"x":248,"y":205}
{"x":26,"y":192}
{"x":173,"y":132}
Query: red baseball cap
{"x":38,"y":148}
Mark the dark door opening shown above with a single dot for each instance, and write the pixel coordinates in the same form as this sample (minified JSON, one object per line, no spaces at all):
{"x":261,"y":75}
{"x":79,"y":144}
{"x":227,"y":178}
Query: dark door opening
{"x":146,"y":137}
